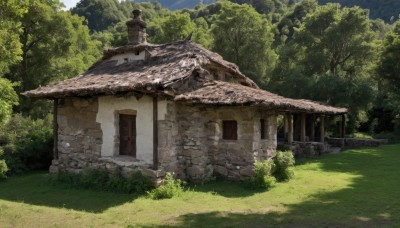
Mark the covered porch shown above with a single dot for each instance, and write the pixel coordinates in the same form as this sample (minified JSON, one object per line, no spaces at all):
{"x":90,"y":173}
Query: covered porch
{"x":306,"y":133}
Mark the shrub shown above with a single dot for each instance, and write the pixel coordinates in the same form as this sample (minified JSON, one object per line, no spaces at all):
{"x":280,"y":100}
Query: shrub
{"x":3,"y":169}
{"x":27,"y":144}
{"x":140,"y":183}
{"x":263,"y":178}
{"x":94,"y":179}
{"x":99,"y":179}
{"x":284,"y":161}
{"x":168,"y":188}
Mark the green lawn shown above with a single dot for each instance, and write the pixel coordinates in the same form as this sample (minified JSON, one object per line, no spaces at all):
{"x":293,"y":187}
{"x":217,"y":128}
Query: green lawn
{"x":357,"y":188}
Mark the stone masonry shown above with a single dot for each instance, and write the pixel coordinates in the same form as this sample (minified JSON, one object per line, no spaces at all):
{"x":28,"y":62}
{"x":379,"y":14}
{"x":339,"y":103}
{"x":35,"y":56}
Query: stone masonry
{"x":190,"y":141}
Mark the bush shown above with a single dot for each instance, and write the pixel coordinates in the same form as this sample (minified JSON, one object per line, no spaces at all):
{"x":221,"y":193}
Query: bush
{"x":168,"y":188}
{"x":284,"y":161}
{"x":27,"y":144}
{"x":140,"y":183}
{"x":99,"y":179}
{"x":263,"y":178}
{"x":96,"y":179}
{"x":3,"y":169}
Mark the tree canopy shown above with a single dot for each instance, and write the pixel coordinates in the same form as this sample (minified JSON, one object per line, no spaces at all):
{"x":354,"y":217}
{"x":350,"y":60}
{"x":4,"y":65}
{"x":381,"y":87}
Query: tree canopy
{"x":242,"y":36}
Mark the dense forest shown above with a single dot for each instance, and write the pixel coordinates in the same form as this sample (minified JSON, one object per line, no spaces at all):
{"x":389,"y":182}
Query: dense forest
{"x":387,"y":10}
{"x":328,"y":53}
{"x":179,"y":4}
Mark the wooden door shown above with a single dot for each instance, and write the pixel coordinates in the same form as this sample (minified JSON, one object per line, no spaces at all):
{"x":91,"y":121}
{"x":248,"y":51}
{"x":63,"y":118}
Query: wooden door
{"x":127,"y":135}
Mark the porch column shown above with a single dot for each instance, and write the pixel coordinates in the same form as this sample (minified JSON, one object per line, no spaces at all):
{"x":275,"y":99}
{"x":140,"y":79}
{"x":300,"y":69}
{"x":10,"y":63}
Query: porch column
{"x":155,"y":133}
{"x":290,"y":129}
{"x":55,"y":129}
{"x":312,"y":128}
{"x":322,"y":128}
{"x":303,"y":128}
{"x":342,"y":126}
{"x":285,"y":127}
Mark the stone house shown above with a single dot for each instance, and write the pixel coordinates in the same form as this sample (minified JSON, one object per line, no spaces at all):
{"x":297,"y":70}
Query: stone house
{"x":174,"y":107}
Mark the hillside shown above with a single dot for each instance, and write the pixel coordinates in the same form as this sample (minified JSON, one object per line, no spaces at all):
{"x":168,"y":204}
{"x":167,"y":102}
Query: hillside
{"x":179,"y":4}
{"x":384,"y":9}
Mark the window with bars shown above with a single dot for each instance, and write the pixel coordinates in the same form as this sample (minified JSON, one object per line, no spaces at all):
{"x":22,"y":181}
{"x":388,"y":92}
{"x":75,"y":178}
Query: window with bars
{"x":229,"y":130}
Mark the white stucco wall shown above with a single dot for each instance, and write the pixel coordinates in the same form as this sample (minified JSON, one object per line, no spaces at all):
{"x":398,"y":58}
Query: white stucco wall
{"x":110,"y":106}
{"x":128,"y":57}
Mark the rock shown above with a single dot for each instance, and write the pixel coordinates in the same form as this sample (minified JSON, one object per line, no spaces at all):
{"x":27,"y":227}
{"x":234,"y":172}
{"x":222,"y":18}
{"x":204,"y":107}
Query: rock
{"x":54,"y":169}
{"x":220,"y":170}
{"x":247,"y":171}
{"x":195,"y":171}
{"x":152,"y":173}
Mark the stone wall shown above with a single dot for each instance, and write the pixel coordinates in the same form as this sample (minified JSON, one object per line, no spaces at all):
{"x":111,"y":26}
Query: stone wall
{"x":169,"y":141}
{"x":354,"y":143}
{"x":204,"y":152}
{"x":306,"y":149}
{"x":79,"y":136}
{"x":190,"y":141}
{"x":80,"y":141}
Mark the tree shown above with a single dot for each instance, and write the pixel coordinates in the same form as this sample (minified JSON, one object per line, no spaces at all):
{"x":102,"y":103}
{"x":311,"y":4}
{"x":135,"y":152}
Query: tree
{"x":292,"y":20}
{"x":202,"y":34}
{"x":273,"y":9}
{"x":388,"y":79}
{"x":8,"y":98}
{"x":100,"y":14}
{"x":389,"y":64}
{"x":331,"y":59}
{"x":242,"y":36}
{"x":10,"y":48}
{"x":55,"y":46}
{"x":384,"y":9}
{"x":335,"y":39}
{"x":176,"y":26}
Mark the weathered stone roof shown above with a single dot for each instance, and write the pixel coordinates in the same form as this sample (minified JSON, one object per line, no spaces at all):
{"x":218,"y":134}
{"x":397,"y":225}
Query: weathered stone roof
{"x":225,"y":93}
{"x":164,"y":66}
{"x":183,"y":71}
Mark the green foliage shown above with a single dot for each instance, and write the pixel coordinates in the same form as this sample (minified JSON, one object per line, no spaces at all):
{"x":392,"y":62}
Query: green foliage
{"x":56,"y":46}
{"x":387,"y":103}
{"x":273,"y":9}
{"x":201,"y":34}
{"x":387,"y":10}
{"x":284,"y":162}
{"x":263,"y":178}
{"x":100,"y":14}
{"x":169,"y":188}
{"x":10,"y":27}
{"x":3,"y":169}
{"x":389,"y":68}
{"x":330,"y":58}
{"x":176,"y":26}
{"x":27,"y":144}
{"x":292,"y":20}
{"x":8,"y":98}
{"x":99,"y":179}
{"x":180,"y":4}
{"x":242,"y":36}
{"x":341,"y":40}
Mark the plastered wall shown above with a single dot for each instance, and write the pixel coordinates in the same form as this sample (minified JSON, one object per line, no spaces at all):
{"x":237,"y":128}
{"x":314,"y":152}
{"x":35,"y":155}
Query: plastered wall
{"x":129,"y":57}
{"x":107,"y":116}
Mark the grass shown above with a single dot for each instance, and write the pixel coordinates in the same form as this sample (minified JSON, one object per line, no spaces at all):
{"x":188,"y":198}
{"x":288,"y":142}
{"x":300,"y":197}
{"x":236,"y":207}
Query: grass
{"x":362,"y":135}
{"x":356,"y":188}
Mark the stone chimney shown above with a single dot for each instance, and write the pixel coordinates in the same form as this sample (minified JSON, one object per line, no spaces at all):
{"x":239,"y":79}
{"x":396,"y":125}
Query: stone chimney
{"x":136,"y":29}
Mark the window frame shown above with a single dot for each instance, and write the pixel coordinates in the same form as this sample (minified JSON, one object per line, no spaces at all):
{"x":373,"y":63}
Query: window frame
{"x":230,"y":130}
